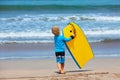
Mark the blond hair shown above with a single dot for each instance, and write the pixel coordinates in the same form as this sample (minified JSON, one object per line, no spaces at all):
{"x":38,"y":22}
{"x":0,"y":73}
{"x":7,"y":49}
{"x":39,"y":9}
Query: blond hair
{"x":55,"y":30}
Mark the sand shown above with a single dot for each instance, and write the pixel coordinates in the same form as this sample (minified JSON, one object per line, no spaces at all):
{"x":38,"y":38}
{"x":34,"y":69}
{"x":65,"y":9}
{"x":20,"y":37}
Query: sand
{"x":45,"y":69}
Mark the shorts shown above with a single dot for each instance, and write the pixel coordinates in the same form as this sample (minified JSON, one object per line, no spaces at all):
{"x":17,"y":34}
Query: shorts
{"x":60,"y":57}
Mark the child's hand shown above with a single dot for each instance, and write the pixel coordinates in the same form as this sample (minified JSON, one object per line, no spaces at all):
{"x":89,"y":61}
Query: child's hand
{"x":73,"y":36}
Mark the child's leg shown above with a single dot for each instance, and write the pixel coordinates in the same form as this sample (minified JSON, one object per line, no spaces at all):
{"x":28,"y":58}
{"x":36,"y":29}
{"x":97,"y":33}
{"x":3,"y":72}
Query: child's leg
{"x":62,"y":68}
{"x":59,"y":67}
{"x":60,"y":59}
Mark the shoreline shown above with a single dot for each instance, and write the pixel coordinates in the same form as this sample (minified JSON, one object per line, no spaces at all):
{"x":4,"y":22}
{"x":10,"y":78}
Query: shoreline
{"x":99,"y":68}
{"x":46,"y":50}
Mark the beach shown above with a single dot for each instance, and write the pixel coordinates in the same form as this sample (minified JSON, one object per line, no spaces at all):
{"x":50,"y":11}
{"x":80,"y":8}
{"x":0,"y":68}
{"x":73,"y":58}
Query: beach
{"x":96,"y":69}
{"x":44,"y":68}
{"x":27,"y":43}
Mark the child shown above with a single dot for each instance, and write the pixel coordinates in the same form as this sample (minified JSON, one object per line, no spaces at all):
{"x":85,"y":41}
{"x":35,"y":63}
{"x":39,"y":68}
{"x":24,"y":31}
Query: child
{"x":59,"y":48}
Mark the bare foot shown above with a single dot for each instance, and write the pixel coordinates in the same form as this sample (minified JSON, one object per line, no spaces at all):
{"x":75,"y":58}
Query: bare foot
{"x":62,"y":72}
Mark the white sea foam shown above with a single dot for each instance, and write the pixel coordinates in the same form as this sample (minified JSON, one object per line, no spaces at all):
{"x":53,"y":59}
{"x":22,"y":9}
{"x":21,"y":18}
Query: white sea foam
{"x":26,"y":34}
{"x":106,"y":18}
{"x":103,"y":32}
{"x":37,"y":28}
{"x":62,"y":18}
{"x":108,"y":55}
{"x":47,"y":36}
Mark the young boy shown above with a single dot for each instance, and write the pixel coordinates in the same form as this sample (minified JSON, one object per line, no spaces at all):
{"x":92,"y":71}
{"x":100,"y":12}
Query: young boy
{"x":60,"y":48}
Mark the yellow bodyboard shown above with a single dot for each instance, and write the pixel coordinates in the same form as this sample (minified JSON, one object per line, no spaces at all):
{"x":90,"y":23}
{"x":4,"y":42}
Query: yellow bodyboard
{"x":79,"y":46}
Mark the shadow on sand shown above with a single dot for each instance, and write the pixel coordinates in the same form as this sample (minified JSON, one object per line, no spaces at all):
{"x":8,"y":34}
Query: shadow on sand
{"x":75,"y":71}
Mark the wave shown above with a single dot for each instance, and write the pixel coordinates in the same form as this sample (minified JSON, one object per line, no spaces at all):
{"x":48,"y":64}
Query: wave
{"x":26,"y":37}
{"x":44,"y":34}
{"x":47,"y":36}
{"x":103,"y":32}
{"x":48,"y":33}
{"x":110,"y":40}
{"x":112,"y":35}
{"x":51,"y":41}
{"x":59,"y":7}
{"x":75,"y":17}
{"x":40,"y":31}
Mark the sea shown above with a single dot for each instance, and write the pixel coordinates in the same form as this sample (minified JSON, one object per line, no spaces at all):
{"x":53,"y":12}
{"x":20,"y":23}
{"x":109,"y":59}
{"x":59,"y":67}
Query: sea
{"x":30,"y":21}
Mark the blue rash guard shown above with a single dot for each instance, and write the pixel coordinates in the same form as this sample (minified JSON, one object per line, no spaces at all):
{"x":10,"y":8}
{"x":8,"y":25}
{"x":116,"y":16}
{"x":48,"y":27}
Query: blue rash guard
{"x":60,"y":43}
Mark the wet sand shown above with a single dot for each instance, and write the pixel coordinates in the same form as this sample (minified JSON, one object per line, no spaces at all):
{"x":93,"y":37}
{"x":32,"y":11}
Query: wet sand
{"x":45,"y":68}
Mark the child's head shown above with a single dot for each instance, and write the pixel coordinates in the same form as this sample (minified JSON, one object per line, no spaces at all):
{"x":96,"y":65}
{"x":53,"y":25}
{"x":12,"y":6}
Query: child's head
{"x":55,"y":30}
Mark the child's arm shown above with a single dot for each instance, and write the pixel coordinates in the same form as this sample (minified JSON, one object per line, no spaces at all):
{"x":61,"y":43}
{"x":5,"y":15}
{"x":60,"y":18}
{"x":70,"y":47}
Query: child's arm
{"x":68,"y":39}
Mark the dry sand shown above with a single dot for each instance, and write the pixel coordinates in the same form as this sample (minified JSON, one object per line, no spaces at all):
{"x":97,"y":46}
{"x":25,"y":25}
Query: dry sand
{"x":96,"y":69}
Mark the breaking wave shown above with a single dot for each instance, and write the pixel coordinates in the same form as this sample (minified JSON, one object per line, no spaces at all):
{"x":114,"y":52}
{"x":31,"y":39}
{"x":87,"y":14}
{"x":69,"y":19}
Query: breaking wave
{"x":62,"y":18}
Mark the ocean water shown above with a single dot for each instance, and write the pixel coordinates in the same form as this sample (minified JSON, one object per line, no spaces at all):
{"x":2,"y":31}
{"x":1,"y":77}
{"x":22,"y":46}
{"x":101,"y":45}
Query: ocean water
{"x":30,"y":21}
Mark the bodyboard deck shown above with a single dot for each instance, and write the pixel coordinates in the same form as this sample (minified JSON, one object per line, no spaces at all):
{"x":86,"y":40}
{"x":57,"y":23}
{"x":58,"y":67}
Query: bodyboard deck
{"x":78,"y":47}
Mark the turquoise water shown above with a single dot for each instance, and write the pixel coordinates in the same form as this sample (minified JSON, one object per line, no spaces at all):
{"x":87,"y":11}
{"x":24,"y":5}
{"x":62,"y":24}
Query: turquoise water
{"x":60,"y":2}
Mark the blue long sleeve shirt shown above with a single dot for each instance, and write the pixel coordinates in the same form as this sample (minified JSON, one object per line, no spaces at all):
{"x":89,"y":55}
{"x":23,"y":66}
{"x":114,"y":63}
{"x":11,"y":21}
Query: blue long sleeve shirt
{"x":60,"y":43}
